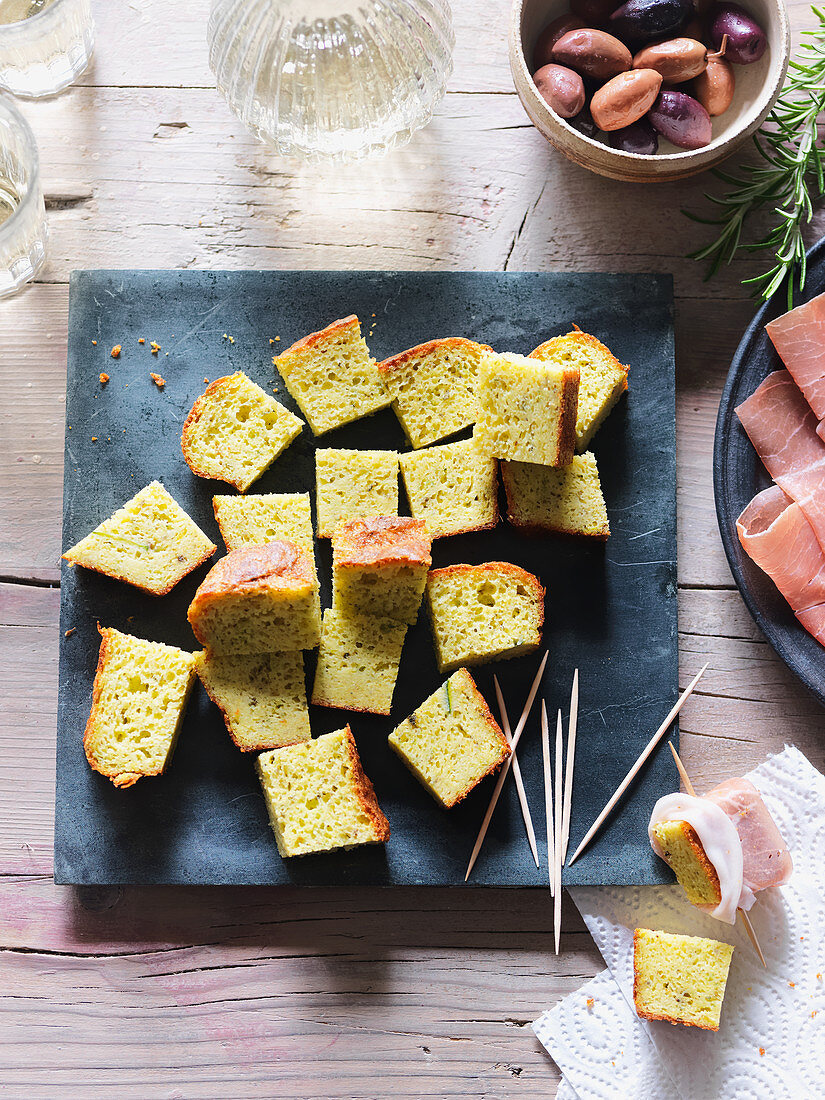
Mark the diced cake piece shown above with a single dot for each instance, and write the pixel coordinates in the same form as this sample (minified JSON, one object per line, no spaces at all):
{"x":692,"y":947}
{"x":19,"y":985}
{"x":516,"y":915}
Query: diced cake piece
{"x":452,"y":488}
{"x":683,"y":851}
{"x":138,"y":698}
{"x":259,"y":599}
{"x":319,"y":798}
{"x":602,"y":378}
{"x":353,"y":484}
{"x":680,"y":979}
{"x":262,"y":696}
{"x":236,"y":430}
{"x":358,"y":662}
{"x":150,"y":542}
{"x":379,"y":567}
{"x":452,"y":741}
{"x":564,"y":499}
{"x":528,"y":409}
{"x":433,"y":387}
{"x":332,"y":376}
{"x":258,"y":518}
{"x":484,"y":613}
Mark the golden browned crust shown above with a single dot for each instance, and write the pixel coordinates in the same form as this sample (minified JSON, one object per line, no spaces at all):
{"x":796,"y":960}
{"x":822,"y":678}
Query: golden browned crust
{"x":195,"y":413}
{"x":541,"y":528}
{"x":643,"y":1013}
{"x":529,"y":580}
{"x":399,"y":361}
{"x":121,"y":779}
{"x":365,"y":792}
{"x":382,"y":540}
{"x":319,"y":702}
{"x":306,"y":343}
{"x":495,"y":729}
{"x":164,"y":591}
{"x":568,"y":414}
{"x":580,"y":338}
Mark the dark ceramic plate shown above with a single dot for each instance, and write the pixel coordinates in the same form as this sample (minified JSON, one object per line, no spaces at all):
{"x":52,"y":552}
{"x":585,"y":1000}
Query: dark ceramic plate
{"x":738,"y":475}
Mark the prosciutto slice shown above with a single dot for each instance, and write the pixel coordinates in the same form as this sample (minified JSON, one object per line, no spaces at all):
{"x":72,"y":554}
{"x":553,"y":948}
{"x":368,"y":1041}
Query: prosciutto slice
{"x":799,"y":337}
{"x":782,"y":428}
{"x":766,"y":860}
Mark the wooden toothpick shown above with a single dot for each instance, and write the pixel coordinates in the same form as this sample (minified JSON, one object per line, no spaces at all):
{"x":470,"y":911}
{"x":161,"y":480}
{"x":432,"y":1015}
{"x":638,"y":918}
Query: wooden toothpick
{"x":571,"y":761}
{"x":628,"y":779}
{"x":502,"y":775}
{"x":522,"y":794}
{"x":558,"y":855}
{"x":548,"y":799}
{"x":751,"y":931}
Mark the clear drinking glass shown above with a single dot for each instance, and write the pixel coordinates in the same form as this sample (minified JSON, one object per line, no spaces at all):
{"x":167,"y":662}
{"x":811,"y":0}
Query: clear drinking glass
{"x":22,"y":211}
{"x":44,"y":44}
{"x":331,"y":78}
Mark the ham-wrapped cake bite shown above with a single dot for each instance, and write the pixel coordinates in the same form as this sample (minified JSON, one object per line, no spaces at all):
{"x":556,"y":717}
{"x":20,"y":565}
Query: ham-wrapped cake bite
{"x":723,"y":848}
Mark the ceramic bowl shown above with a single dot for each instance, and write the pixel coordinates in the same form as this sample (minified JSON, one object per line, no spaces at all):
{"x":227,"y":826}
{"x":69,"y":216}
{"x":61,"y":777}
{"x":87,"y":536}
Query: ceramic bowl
{"x":757,"y":88}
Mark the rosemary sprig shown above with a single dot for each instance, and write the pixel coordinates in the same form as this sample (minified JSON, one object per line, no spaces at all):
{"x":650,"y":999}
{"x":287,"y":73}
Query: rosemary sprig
{"x":789,"y":177}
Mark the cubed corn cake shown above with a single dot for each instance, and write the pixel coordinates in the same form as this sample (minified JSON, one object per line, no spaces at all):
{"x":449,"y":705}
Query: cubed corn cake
{"x":379,"y":567}
{"x":358,"y":662}
{"x":257,"y":518}
{"x":433,"y":387}
{"x":351,"y":484}
{"x":565,"y":499}
{"x":452,"y":488}
{"x":235,"y":430}
{"x":452,"y":741}
{"x":484,"y":613}
{"x":259,"y":599}
{"x":679,"y":978}
{"x":319,"y":798}
{"x":332,"y":376}
{"x":150,"y":542}
{"x":683,"y":851}
{"x":138,"y":698}
{"x":528,"y":409}
{"x":602,"y":378}
{"x":262,"y":697}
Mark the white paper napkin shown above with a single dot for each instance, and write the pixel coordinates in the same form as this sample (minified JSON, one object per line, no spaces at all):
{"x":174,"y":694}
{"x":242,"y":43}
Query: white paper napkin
{"x":771,"y":1041}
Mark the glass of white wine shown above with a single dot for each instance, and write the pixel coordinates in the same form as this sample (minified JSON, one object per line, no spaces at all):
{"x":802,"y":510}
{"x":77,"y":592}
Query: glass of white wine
{"x":44,"y":44}
{"x":23,"y":229}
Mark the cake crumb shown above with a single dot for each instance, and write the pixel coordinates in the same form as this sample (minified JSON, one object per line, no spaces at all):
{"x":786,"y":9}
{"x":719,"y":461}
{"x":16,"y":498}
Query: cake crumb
{"x":68,"y":633}
{"x":271,"y":341}
{"x":156,"y":378}
{"x":155,"y":347}
{"x":814,"y":1013}
{"x":141,"y":340}
{"x":115,"y":352}
{"x":792,"y":985}
{"x":104,"y":378}
{"x":206,"y":381}
{"x":94,"y":343}
{"x":761,"y":1052}
{"x":94,"y":439}
{"x":590,"y":1002}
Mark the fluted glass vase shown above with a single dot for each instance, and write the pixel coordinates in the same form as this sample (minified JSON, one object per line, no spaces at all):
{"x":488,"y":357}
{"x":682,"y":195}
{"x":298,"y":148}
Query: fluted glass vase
{"x":337,"y":79}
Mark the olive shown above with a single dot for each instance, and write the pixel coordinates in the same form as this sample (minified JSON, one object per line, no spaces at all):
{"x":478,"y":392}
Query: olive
{"x":595,"y":13}
{"x":681,"y":120}
{"x":746,"y":39}
{"x":639,"y":137}
{"x":638,"y":22}
{"x":584,"y":123}
{"x":542,"y":51}
{"x":593,"y":53}
{"x":561,"y":89}
{"x":715,"y":86}
{"x":678,"y":59}
{"x":625,"y":99}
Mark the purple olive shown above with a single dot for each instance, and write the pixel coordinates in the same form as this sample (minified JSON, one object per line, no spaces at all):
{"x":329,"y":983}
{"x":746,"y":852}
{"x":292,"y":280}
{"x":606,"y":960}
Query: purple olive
{"x":584,"y":123}
{"x":543,"y":50}
{"x":595,"y":13}
{"x":746,"y":39}
{"x":638,"y":22}
{"x":681,"y":120}
{"x":640,"y":137}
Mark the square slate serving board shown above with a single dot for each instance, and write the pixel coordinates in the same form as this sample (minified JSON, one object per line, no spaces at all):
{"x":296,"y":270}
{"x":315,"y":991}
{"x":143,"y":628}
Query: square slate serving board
{"x":611,"y":609}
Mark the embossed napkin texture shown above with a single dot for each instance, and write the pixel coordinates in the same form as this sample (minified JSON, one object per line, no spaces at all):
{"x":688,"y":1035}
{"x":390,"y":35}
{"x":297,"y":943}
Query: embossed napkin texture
{"x":771,"y":1041}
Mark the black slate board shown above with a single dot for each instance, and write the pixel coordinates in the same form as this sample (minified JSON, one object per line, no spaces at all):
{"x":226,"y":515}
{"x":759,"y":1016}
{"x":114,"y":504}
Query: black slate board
{"x":738,"y":475}
{"x":611,"y":609}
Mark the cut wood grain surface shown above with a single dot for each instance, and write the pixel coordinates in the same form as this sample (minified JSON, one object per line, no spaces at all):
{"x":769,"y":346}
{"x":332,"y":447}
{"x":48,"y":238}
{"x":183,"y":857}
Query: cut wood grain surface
{"x":351,"y":994}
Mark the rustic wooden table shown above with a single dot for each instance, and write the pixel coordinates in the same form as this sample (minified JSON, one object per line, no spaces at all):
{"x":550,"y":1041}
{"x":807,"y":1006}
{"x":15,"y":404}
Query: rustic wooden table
{"x":202,"y":993}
